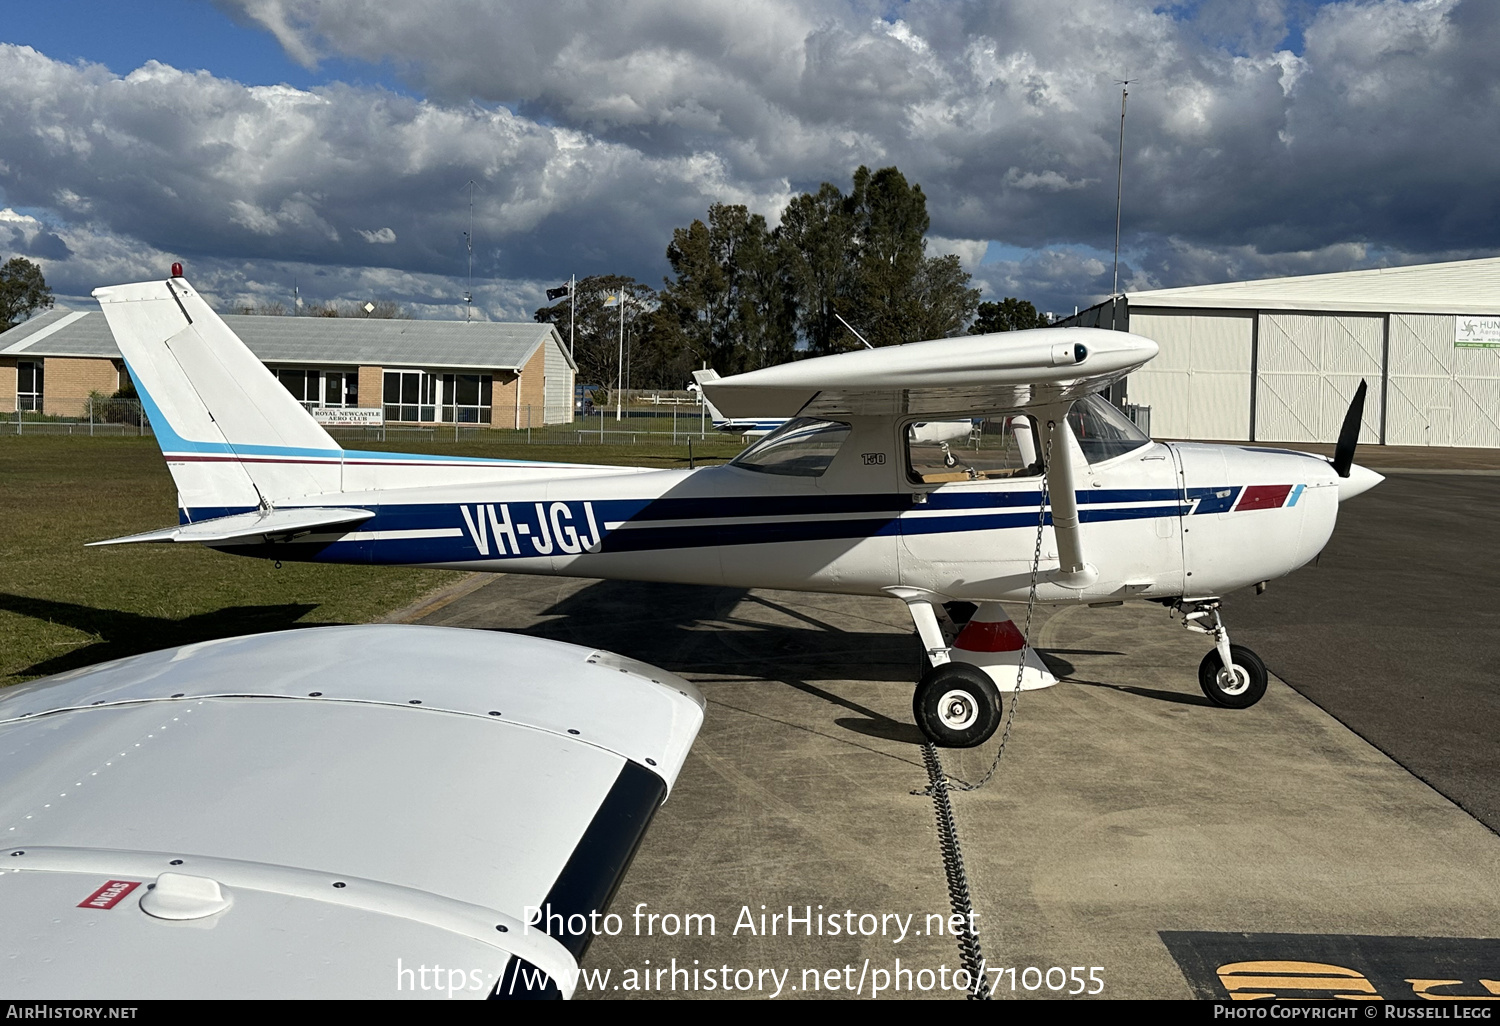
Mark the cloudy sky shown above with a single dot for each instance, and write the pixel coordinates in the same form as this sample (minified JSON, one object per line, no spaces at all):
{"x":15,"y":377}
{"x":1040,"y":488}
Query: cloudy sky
{"x":329,"y":142}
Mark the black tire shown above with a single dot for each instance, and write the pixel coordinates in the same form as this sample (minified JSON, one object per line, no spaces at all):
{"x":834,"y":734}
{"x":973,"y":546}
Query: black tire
{"x":1248,"y":685}
{"x":956,"y":705}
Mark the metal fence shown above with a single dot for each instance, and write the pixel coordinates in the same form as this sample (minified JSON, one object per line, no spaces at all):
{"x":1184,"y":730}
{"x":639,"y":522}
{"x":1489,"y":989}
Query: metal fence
{"x":661,"y":422}
{"x":91,"y":415}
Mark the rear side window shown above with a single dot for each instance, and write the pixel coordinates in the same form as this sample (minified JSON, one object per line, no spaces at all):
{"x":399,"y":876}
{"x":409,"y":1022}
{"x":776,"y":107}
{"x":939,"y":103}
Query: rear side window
{"x":802,"y":447}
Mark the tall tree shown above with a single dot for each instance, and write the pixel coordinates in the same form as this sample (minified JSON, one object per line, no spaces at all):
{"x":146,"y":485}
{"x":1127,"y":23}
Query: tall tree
{"x":1010,"y":314}
{"x":892,"y":221}
{"x":864,"y":256}
{"x":23,"y":291}
{"x":818,"y":240}
{"x":728,"y":304}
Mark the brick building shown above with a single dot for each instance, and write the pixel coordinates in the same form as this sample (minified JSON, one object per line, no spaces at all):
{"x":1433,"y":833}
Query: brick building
{"x":411,"y":372}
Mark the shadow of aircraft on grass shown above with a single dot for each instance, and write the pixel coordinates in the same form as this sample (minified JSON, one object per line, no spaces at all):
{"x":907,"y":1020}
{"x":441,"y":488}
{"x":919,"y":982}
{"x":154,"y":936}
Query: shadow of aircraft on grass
{"x":122,"y":634}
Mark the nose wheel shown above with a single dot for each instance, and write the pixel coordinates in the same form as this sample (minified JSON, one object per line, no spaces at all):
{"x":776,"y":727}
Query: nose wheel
{"x":1231,"y":676}
{"x":1236,"y":686}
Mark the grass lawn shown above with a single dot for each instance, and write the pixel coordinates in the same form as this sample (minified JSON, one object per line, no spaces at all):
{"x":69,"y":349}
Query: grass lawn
{"x":63,"y":605}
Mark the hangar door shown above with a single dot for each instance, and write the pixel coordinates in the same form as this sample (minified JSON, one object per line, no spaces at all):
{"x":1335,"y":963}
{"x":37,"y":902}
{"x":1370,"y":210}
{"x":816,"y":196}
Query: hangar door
{"x":1199,"y":384}
{"x":1308,"y":368}
{"x":1440,"y":394}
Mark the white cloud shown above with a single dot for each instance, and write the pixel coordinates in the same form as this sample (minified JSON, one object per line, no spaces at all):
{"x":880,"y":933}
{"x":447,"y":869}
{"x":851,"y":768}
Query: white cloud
{"x":969,"y":251}
{"x":593,"y":128}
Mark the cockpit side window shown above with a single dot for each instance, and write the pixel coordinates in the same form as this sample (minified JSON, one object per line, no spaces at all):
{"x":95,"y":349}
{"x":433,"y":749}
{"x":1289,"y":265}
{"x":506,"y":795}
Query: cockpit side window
{"x":802,"y":447}
{"x":983,"y":449}
{"x":1103,"y":432}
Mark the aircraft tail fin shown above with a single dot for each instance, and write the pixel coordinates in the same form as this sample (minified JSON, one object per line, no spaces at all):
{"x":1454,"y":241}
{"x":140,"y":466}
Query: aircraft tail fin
{"x":233,"y":437}
{"x":703,"y":377}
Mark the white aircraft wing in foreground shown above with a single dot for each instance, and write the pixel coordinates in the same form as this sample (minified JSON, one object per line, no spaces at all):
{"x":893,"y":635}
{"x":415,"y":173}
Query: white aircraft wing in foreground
{"x":329,"y":812}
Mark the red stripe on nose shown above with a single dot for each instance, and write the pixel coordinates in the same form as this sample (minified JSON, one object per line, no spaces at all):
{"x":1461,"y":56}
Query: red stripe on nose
{"x":1264,"y":497}
{"x":990,"y":637}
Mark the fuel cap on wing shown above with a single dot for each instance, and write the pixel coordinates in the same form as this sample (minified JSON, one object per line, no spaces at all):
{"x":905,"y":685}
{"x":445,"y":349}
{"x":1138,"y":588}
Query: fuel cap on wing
{"x":180,"y":896}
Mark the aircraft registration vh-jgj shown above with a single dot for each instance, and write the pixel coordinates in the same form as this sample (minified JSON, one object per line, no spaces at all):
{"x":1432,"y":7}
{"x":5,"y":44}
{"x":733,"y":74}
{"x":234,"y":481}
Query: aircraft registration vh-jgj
{"x":1056,"y":497}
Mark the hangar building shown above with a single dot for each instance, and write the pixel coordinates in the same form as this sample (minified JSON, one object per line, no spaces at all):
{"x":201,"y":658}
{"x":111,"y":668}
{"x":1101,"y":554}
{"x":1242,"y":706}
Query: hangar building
{"x":1278,"y":360}
{"x":401,"y":371}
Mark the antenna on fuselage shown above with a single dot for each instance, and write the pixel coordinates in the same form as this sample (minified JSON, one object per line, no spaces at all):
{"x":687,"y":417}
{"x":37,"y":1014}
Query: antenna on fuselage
{"x":856,"y":334}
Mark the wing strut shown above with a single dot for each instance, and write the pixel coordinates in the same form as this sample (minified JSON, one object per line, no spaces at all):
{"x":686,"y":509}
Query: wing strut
{"x":1072,"y":571}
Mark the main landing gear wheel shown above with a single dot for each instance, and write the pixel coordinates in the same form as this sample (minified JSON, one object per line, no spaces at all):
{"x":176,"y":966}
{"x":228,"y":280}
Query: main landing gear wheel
{"x":1238,"y":686}
{"x":956,"y":705}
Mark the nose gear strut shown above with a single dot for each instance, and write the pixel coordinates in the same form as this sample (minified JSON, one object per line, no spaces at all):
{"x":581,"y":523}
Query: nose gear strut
{"x":1231,"y":675}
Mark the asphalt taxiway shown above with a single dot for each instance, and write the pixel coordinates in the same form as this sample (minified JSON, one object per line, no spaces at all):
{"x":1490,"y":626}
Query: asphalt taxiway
{"x":1132,"y":827}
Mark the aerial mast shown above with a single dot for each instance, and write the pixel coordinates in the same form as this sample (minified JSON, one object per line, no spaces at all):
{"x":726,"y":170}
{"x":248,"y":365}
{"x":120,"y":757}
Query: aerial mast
{"x":1119,"y":183}
{"x":471,"y":185}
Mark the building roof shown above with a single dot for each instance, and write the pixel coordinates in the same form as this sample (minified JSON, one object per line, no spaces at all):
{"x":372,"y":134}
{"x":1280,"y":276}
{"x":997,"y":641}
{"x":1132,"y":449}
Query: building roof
{"x":331,"y":341}
{"x":1458,"y":287}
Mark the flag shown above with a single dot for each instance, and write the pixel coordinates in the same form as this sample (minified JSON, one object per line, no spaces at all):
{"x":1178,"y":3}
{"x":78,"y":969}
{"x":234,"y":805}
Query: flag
{"x":611,"y":300}
{"x":557,"y":293}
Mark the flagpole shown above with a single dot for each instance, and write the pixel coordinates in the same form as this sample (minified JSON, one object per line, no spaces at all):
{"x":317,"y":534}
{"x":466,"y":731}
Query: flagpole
{"x":620,"y":366}
{"x":572,"y":305}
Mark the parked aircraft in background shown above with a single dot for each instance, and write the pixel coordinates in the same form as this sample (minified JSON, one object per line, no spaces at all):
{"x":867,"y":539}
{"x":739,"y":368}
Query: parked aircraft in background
{"x":355,"y":812}
{"x":1064,"y":500}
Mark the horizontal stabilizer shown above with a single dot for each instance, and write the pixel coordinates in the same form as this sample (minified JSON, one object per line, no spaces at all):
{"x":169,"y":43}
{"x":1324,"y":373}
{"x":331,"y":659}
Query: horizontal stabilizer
{"x":247,"y":527}
{"x":950,"y":377}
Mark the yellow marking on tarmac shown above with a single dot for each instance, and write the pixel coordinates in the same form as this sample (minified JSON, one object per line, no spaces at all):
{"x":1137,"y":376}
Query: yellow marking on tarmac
{"x":1423,"y":989}
{"x":1252,"y":981}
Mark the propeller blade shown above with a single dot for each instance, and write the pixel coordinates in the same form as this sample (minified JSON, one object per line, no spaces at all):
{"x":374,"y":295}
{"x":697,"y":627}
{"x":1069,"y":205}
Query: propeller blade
{"x":1343,"y":453}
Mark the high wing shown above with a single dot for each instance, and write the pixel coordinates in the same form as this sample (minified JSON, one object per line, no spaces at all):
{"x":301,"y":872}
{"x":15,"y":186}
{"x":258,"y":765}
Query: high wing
{"x":317,"y":813}
{"x":750,"y":427}
{"x":249,"y":527}
{"x":951,"y":377}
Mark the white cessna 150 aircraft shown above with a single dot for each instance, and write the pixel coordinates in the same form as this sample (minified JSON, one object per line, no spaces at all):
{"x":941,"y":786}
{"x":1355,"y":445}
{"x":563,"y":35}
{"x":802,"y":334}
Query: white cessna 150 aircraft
{"x":1064,"y":500}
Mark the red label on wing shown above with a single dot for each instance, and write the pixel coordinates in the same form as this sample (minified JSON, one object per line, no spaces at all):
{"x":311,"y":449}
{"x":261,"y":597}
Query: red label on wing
{"x":110,"y":895}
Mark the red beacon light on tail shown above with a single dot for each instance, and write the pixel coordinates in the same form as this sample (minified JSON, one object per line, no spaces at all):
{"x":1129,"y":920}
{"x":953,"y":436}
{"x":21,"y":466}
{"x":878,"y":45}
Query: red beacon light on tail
{"x":177,"y":270}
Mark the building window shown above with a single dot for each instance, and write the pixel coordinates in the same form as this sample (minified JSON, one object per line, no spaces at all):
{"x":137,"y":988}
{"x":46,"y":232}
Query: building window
{"x":411,"y":396}
{"x":28,"y":385}
{"x":341,"y":388}
{"x":422,"y":397}
{"x":314,"y":388}
{"x":469,"y":398}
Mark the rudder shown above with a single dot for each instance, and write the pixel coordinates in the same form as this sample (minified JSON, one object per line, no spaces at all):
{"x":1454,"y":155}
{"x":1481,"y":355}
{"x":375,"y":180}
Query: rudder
{"x":233,"y":437}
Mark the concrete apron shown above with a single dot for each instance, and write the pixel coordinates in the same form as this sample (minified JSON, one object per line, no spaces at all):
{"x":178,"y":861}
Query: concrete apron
{"x":1125,"y":806}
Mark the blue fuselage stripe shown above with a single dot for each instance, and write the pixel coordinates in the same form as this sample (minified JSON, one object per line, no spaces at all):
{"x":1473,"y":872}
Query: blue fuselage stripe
{"x":460,"y":533}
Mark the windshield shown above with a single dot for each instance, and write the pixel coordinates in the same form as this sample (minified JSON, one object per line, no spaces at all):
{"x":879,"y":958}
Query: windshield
{"x":1103,"y":432}
{"x":802,"y":447}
